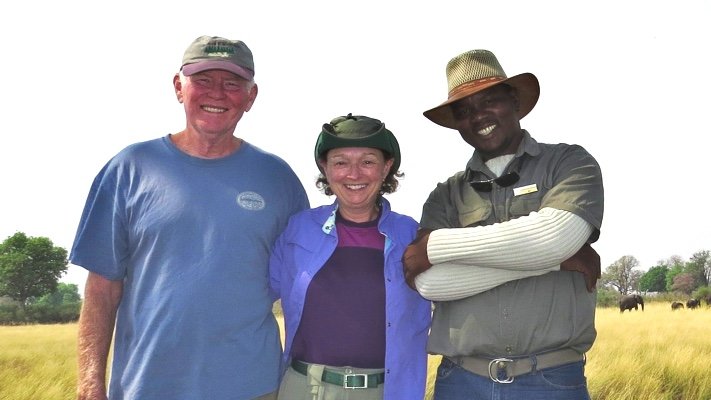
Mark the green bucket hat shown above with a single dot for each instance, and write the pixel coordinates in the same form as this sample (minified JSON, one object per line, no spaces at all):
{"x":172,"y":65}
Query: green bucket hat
{"x":357,"y":131}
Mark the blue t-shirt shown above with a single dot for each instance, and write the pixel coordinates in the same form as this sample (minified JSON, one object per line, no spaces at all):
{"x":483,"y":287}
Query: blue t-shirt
{"x":190,"y":238}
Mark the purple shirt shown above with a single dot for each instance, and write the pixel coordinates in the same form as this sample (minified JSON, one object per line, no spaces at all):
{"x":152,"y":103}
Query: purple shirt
{"x":343,"y":322}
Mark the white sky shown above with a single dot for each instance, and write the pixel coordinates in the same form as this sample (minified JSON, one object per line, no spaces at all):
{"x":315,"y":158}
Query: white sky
{"x":628,"y":80}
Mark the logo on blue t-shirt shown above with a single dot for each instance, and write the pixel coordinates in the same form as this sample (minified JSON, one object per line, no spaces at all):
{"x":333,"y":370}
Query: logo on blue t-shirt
{"x":251,"y":201}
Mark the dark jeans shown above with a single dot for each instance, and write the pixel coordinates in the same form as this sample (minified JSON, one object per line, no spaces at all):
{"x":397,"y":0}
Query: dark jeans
{"x":565,"y":382}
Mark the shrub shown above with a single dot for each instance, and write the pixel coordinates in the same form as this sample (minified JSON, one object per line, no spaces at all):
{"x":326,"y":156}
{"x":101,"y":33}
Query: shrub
{"x":39,"y":314}
{"x":607,"y":297}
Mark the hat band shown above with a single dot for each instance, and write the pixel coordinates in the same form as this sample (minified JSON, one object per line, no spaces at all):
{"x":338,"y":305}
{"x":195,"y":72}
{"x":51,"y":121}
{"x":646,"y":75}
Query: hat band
{"x":204,"y":65}
{"x":473,"y":86}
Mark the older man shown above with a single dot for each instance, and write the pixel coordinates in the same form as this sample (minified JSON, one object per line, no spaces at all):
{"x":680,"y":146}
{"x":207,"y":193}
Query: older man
{"x":501,"y":246}
{"x":176,"y":235}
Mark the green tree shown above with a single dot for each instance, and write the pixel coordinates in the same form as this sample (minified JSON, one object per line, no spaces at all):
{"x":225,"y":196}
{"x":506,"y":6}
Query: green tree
{"x":676,"y":267}
{"x":621,"y":275}
{"x":66,"y":293}
{"x":698,"y":266}
{"x":30,"y":267}
{"x":703,"y":293}
{"x":654,"y":280}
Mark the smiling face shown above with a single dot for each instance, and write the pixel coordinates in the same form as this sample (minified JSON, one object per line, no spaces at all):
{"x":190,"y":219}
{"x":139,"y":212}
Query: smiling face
{"x":214,"y":101}
{"x":355,"y":175}
{"x":489,"y":121}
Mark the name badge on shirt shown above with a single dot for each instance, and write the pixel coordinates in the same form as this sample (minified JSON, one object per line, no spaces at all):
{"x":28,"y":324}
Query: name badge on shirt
{"x":525,"y":189}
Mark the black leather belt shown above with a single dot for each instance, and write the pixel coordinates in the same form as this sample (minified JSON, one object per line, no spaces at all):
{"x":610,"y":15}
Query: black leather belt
{"x":347,"y":381}
{"x":491,"y":368}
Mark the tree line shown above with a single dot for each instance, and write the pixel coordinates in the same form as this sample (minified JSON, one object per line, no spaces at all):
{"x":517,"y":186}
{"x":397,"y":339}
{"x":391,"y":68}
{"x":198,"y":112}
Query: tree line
{"x":670,"y":278}
{"x":30,"y":291}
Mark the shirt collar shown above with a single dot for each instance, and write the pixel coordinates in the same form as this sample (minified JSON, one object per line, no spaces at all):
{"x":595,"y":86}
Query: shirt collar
{"x":330,"y":222}
{"x":528,"y":146}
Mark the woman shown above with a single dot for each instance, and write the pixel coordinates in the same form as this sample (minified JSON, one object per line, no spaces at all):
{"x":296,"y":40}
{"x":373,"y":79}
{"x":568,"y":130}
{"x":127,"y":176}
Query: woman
{"x":354,"y":329}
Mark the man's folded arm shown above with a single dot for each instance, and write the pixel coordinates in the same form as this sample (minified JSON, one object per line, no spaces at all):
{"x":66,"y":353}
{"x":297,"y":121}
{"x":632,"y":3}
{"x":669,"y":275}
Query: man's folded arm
{"x":531,"y":242}
{"x":468,"y":261}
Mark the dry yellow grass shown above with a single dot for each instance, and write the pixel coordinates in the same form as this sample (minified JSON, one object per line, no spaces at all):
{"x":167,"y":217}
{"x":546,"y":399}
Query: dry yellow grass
{"x":38,"y":362}
{"x":657,"y":354}
{"x":652,"y":355}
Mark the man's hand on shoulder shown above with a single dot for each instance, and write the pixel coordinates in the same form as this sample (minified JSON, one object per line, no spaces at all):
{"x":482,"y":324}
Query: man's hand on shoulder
{"x":415,"y":260}
{"x":587,"y":262}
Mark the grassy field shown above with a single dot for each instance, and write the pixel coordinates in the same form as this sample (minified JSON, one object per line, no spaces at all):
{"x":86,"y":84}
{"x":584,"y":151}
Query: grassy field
{"x":657,"y":354}
{"x":38,"y":362}
{"x":652,"y":355}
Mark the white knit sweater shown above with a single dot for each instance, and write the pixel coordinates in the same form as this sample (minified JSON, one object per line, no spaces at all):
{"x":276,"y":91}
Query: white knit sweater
{"x":467,"y":261}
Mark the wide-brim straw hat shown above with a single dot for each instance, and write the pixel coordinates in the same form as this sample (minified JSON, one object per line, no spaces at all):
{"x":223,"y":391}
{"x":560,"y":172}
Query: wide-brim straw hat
{"x":476,"y":70}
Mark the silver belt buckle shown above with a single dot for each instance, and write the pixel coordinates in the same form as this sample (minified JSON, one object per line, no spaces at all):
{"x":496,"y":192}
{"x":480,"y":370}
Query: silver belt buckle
{"x":495,"y":365}
{"x":346,"y":384}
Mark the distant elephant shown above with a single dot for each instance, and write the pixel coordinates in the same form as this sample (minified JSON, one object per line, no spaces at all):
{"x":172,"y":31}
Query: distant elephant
{"x":677,"y":305}
{"x":693,"y":303}
{"x":708,"y":300}
{"x":629,"y":302}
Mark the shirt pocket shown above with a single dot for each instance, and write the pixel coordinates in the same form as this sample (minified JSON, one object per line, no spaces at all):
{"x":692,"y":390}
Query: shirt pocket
{"x":474,"y":217}
{"x":525,"y":204}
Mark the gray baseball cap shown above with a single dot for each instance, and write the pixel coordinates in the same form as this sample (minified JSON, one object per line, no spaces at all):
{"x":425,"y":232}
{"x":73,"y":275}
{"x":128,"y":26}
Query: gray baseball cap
{"x":214,"y":52}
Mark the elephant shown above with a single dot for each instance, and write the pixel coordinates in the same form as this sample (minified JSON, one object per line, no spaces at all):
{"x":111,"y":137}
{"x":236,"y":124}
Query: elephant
{"x":677,"y":305}
{"x":708,"y":300}
{"x":693,"y":303}
{"x":629,"y":302}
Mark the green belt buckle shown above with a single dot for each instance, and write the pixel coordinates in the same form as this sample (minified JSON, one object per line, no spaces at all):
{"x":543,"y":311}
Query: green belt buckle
{"x":355,"y":381}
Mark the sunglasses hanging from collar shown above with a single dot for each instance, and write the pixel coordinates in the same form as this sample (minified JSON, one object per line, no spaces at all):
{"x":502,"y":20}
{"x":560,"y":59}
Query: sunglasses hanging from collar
{"x":487,"y":185}
{"x":506,"y":180}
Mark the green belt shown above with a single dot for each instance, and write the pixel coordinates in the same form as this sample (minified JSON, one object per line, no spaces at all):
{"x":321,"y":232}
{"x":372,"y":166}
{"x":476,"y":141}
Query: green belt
{"x":347,"y":381}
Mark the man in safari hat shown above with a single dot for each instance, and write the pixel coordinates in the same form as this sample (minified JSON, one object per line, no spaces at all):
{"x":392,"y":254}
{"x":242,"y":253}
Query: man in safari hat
{"x":176,"y":234}
{"x":503,"y":247}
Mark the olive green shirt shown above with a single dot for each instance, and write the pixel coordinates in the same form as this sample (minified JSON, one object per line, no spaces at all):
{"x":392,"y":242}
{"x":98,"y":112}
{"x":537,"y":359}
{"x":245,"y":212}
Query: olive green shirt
{"x":531,"y":315}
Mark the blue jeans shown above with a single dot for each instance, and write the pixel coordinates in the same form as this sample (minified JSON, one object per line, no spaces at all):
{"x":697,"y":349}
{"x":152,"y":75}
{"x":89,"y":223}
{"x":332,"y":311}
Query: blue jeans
{"x":565,"y":382}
